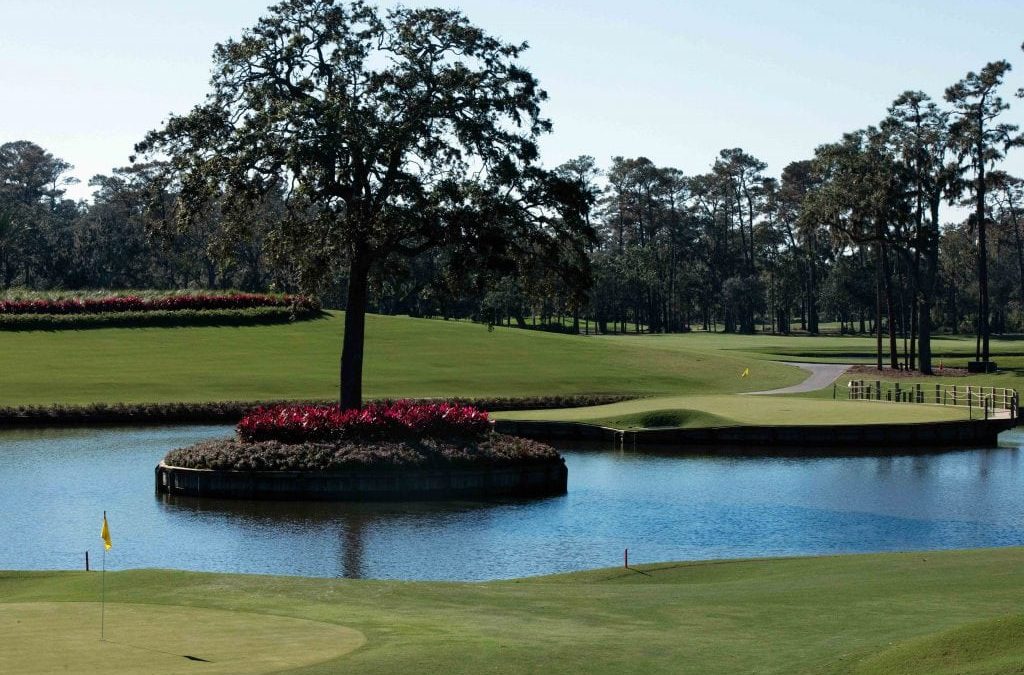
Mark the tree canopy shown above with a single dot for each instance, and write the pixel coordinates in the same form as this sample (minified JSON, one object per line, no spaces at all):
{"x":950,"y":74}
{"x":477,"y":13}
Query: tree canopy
{"x":391,"y":132}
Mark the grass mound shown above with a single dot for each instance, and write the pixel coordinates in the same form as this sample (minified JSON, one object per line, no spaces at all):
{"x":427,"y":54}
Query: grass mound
{"x":679,"y":418}
{"x":990,"y":647}
{"x":50,"y":637}
{"x":237,"y":455}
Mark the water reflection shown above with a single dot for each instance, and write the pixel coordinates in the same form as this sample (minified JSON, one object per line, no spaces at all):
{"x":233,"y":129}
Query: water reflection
{"x":660,"y":505}
{"x":350,"y":524}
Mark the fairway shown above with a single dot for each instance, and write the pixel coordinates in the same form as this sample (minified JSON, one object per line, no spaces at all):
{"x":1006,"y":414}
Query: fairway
{"x":684,"y":380}
{"x":404,"y":357}
{"x":904,"y":613}
{"x":49,"y":637}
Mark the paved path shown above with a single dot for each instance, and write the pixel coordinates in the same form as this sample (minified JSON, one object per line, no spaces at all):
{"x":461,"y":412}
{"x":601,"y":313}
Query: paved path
{"x":822,"y":375}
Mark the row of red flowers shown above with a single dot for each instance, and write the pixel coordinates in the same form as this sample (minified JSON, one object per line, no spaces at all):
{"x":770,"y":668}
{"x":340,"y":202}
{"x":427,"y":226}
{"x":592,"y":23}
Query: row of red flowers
{"x":401,"y":419}
{"x":135,"y":303}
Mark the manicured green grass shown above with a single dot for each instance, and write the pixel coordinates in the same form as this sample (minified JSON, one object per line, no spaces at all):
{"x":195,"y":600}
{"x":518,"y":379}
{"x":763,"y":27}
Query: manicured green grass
{"x":404,"y":357}
{"x":681,"y":377}
{"x":146,"y":638}
{"x":732,"y":410}
{"x":980,"y":648}
{"x":949,"y":351}
{"x":893,"y":613}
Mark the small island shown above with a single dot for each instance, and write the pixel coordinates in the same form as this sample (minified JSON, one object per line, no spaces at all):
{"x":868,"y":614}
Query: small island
{"x":398,"y":451}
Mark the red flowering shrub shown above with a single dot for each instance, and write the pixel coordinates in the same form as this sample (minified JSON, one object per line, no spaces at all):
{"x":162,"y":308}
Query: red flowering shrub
{"x":401,"y":419}
{"x":136,"y":303}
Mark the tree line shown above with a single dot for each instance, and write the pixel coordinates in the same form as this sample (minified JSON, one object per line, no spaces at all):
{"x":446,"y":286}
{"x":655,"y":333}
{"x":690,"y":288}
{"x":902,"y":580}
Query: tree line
{"x":851,"y":236}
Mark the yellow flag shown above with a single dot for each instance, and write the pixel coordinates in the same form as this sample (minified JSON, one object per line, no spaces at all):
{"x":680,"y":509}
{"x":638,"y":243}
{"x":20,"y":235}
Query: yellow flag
{"x":105,"y":533}
{"x":746,"y":372}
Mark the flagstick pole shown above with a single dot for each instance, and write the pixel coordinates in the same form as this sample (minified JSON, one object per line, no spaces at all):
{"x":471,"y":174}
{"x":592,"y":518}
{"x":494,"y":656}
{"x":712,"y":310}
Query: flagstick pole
{"x":103,"y":588}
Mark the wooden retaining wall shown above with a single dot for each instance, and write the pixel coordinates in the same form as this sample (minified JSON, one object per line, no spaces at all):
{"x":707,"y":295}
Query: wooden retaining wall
{"x":535,"y":480}
{"x":978,"y":433}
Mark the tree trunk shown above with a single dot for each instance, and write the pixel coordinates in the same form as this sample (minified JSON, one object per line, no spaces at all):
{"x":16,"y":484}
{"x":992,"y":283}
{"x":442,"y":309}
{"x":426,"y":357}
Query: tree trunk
{"x":924,"y":342}
{"x":812,"y":288}
{"x":890,"y":308}
{"x":1020,"y":254}
{"x":878,"y":312}
{"x":913,"y":334}
{"x":355,"y":331}
{"x":982,"y":247}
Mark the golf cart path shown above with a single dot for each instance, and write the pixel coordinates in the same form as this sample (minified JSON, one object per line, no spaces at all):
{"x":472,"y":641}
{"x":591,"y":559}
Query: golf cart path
{"x":822,"y":375}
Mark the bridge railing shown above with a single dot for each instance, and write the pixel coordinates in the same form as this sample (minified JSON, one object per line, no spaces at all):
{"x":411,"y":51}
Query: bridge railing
{"x":987,"y":400}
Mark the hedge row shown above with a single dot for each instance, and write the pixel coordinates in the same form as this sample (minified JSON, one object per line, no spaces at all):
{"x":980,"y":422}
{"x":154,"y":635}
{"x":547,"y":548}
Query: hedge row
{"x":133,"y":302}
{"x":20,"y":293}
{"x":230,"y":412}
{"x":235,"y":455}
{"x":161,"y":318}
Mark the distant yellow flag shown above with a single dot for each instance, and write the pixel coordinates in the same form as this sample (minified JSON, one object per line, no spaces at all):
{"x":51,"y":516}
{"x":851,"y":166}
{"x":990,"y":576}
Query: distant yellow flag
{"x":746,"y":372}
{"x":105,"y":533}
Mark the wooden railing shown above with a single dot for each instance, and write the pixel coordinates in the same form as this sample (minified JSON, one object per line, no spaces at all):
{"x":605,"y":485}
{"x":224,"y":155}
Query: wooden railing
{"x":987,"y":400}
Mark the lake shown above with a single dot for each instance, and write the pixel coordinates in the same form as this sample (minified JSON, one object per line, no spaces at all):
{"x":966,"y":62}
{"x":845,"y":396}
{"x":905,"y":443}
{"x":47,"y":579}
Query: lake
{"x":55,"y":484}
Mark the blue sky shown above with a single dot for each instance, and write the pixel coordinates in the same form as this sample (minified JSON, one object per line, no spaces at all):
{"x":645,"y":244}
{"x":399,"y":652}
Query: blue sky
{"x":674,"y":81}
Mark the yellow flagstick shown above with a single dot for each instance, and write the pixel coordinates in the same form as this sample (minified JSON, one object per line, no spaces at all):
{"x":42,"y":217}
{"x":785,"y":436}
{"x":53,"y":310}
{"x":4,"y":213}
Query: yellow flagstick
{"x":746,"y":372}
{"x":105,"y":536}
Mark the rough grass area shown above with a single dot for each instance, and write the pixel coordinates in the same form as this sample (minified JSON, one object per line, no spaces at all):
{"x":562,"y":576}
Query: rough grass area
{"x":235,"y":455}
{"x":980,"y":648}
{"x":891,"y":613}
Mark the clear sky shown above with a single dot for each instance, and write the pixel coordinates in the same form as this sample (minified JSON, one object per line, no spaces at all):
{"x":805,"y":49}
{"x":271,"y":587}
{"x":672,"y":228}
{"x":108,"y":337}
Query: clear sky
{"x":675,"y":81}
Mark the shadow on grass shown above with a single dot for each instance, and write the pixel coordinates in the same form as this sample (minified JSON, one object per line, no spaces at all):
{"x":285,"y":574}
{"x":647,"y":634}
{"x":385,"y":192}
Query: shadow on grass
{"x":156,"y":651}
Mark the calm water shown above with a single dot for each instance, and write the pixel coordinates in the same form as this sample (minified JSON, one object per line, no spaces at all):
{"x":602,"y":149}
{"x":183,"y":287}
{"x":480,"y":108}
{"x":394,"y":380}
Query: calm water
{"x":55,"y":484}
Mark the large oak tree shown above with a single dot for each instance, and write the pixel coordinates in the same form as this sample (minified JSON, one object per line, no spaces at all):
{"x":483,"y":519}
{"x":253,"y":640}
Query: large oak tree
{"x":394,"y":132}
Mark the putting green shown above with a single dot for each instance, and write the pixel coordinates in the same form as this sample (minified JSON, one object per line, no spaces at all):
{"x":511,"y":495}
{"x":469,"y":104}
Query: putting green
{"x":730,"y":410}
{"x":49,"y":637}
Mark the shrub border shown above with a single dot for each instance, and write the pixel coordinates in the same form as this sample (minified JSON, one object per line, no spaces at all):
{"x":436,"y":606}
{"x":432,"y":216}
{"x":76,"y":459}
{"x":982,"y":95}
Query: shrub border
{"x":230,"y":412}
{"x":250,"y":316}
{"x":133,"y":301}
{"x":396,"y":454}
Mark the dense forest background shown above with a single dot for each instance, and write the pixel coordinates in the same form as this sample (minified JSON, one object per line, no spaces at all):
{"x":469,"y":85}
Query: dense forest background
{"x":849,"y":240}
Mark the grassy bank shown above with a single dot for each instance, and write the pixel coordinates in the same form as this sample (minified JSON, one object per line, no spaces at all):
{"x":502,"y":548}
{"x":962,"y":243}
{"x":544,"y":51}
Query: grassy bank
{"x":404,"y":357}
{"x":684,"y":380}
{"x":934,"y":612}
